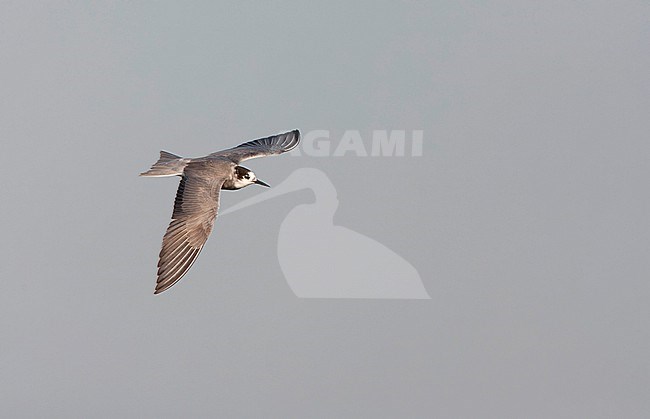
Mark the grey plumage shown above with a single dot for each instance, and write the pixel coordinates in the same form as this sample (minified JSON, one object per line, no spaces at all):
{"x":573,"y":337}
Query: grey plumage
{"x":197,"y":199}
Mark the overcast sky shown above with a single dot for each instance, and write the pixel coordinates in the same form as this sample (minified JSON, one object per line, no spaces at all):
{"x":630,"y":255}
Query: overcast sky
{"x":526,"y":217}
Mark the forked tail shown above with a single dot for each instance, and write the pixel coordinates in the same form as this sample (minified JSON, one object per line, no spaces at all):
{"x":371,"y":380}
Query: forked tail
{"x":167,"y":165}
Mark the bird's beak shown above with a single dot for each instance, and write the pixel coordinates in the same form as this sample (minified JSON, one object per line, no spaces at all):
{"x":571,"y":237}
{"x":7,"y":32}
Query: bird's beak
{"x":259,"y":182}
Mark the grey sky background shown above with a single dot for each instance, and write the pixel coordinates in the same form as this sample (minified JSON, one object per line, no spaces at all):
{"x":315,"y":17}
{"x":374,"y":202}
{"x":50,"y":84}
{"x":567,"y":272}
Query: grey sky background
{"x":526,"y":217}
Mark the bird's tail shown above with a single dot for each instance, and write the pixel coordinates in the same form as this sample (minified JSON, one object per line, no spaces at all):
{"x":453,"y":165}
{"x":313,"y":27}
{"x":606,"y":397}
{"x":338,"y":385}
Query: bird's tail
{"x":167,"y":165}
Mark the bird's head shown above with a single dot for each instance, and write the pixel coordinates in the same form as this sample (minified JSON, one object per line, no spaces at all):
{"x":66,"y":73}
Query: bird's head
{"x":245,"y":177}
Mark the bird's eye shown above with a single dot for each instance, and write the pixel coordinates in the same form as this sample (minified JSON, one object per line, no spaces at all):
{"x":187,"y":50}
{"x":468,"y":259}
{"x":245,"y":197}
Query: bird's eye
{"x":247,"y":176}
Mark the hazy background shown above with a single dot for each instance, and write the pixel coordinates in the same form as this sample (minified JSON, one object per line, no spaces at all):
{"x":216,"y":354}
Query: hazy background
{"x":527,"y":216}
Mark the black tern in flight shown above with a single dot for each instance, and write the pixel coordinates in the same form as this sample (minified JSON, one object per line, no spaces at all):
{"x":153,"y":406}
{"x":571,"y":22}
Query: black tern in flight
{"x":197,"y":198}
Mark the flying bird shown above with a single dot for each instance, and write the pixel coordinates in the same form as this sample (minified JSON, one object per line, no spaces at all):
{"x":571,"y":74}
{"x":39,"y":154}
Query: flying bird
{"x":197,"y":198}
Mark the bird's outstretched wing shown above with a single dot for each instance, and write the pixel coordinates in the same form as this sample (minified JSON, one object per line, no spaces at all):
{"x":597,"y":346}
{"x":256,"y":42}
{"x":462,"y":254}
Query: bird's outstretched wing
{"x":276,"y":144}
{"x":195,"y":209}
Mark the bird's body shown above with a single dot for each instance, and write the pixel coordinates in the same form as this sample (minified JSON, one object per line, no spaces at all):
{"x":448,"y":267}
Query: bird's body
{"x":197,"y":198}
